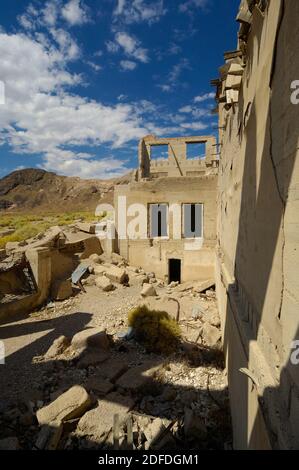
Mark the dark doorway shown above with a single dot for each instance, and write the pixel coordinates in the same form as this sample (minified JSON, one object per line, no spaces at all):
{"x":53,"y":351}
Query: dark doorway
{"x":174,"y":270}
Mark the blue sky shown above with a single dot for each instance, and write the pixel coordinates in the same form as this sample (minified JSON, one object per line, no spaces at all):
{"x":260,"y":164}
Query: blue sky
{"x":86,"y":79}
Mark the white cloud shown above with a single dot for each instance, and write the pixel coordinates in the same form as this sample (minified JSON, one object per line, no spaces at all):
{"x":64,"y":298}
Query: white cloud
{"x":186,"y":109}
{"x":128,"y":65}
{"x":41,"y":117}
{"x":137,"y":11}
{"x":94,"y":66}
{"x":75,"y":13}
{"x":188,"y":5}
{"x":174,"y":75}
{"x":195,"y":126}
{"x":130,"y":45}
{"x":205,"y":97}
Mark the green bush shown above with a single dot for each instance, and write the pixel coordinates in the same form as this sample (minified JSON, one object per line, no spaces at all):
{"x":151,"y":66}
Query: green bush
{"x":154,"y":329}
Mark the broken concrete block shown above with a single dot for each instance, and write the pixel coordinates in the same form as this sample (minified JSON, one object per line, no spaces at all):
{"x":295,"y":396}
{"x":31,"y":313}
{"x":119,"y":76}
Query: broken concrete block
{"x":93,"y":357}
{"x":85,"y":227}
{"x":104,"y":283}
{"x":137,"y":377}
{"x":210,"y":334}
{"x":58,"y":347}
{"x":61,"y":290}
{"x":154,"y":431}
{"x":116,"y":274}
{"x":116,"y":258}
{"x":95,"y":258}
{"x":9,"y":443}
{"x":113,"y":369}
{"x":99,"y":385}
{"x":148,"y":290}
{"x":91,"y":245}
{"x":138,"y":279}
{"x":49,"y":436}
{"x":201,"y":286}
{"x":99,"y":421}
{"x":71,"y":404}
{"x":99,"y":270}
{"x":91,"y":338}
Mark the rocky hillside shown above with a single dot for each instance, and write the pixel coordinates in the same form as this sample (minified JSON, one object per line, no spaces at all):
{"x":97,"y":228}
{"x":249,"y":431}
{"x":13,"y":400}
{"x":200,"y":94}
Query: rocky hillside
{"x":35,"y":190}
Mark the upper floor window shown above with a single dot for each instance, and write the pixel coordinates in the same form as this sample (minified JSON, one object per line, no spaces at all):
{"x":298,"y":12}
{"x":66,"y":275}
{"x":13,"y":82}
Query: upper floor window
{"x":193,"y":220}
{"x":158,"y":220}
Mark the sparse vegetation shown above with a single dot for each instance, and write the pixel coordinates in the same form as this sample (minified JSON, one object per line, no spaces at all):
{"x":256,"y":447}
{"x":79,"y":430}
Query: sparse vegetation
{"x":154,"y":329}
{"x":28,"y":226}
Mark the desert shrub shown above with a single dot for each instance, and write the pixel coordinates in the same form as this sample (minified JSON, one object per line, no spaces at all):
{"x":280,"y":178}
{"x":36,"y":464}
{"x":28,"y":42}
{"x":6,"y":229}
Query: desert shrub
{"x":154,"y":329}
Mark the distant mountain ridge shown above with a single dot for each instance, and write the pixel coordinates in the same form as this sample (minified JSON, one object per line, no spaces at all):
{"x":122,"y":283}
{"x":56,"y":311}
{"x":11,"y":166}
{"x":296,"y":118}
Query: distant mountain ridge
{"x":36,"y":190}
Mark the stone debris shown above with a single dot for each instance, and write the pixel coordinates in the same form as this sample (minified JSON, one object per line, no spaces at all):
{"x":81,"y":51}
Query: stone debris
{"x":58,"y":347}
{"x":99,"y":421}
{"x":139,"y":376}
{"x":116,"y":274}
{"x":210,"y":334}
{"x":49,"y":436}
{"x":90,"y":338}
{"x":61,"y":290}
{"x":92,"y":357}
{"x":99,"y":385}
{"x":104,"y":283}
{"x":71,"y":404}
{"x":85,"y":227}
{"x":148,"y":290}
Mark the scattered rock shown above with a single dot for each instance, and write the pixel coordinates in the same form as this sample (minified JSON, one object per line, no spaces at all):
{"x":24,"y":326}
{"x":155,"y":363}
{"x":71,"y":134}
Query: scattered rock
{"x":49,"y":436}
{"x":104,"y":283}
{"x":137,"y":377}
{"x":203,"y":285}
{"x":113,"y":369}
{"x":99,"y":270}
{"x":85,"y":227}
{"x":99,"y":421}
{"x":116,"y":274}
{"x":61,"y":290}
{"x":116,"y":258}
{"x":99,"y":385}
{"x":95,"y":258}
{"x":92,"y":358}
{"x":210,"y":334}
{"x":71,"y":404}
{"x":58,"y":347}
{"x":154,"y":431}
{"x":91,"y":338}
{"x":148,"y":290}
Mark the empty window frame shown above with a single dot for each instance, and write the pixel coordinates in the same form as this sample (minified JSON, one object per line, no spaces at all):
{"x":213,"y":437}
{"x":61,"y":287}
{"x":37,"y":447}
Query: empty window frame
{"x":192,"y":220}
{"x":158,"y":152}
{"x":196,"y":150}
{"x":158,"y":220}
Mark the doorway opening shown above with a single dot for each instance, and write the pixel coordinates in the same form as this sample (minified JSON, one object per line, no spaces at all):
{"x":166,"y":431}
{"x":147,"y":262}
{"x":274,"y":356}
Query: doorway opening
{"x":174,"y":270}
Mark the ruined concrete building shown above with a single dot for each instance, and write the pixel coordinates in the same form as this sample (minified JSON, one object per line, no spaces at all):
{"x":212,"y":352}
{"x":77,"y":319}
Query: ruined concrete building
{"x":178,"y":195}
{"x":258,"y":217}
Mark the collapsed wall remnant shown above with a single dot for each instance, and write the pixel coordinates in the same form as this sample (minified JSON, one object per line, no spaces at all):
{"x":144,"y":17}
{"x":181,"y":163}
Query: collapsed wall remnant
{"x":257,"y":251}
{"x":175,"y":247}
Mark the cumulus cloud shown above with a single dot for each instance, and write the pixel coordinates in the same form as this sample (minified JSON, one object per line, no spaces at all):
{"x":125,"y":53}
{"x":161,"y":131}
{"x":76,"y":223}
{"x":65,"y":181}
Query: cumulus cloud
{"x":41,"y":117}
{"x":128,"y":65}
{"x":187,"y":6}
{"x":137,"y":11}
{"x":75,"y":13}
{"x":174,"y":75}
{"x":205,"y":97}
{"x":129,"y":45}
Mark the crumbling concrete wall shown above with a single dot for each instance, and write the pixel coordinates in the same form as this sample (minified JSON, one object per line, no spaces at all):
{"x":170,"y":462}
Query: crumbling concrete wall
{"x":153,"y":255}
{"x":176,"y":163}
{"x":258,"y":221}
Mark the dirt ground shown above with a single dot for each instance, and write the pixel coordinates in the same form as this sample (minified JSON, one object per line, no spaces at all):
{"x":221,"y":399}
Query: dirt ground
{"x":191,"y":380}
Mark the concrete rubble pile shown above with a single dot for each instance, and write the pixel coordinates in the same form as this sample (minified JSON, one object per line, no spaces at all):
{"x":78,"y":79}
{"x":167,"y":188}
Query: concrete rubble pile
{"x":101,"y":390}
